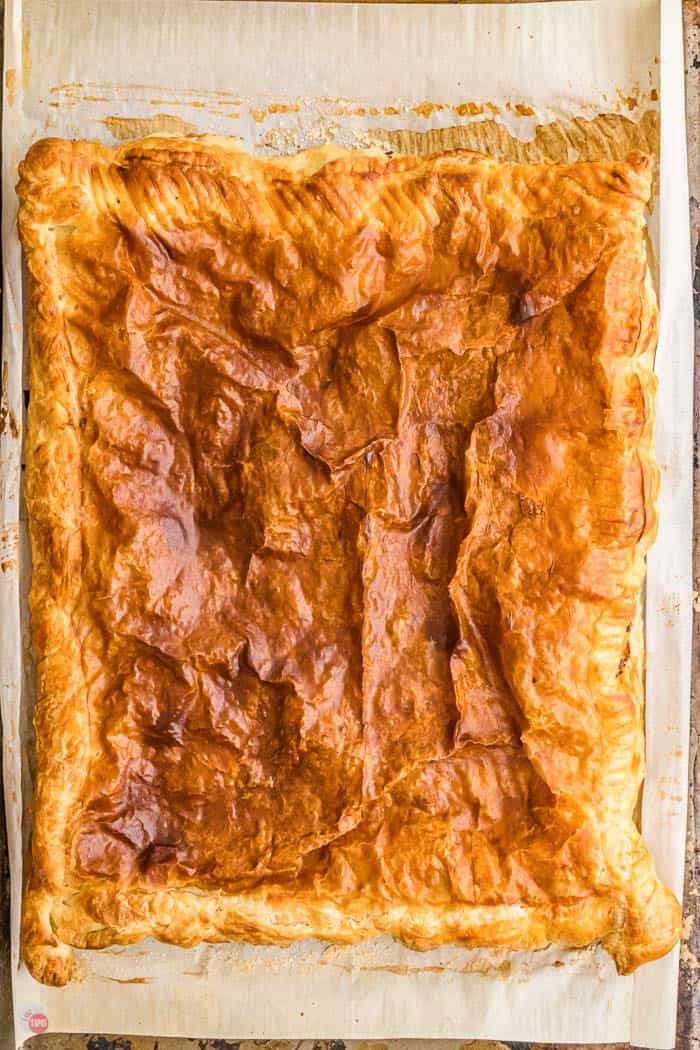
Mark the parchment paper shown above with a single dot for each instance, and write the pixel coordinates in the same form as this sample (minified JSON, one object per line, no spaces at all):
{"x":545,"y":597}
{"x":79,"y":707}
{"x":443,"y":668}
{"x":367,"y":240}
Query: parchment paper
{"x":517,"y":80}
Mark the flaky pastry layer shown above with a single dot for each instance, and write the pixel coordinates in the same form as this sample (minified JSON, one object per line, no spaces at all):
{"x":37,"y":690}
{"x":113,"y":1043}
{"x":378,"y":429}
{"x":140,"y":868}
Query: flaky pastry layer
{"x":340,"y":483}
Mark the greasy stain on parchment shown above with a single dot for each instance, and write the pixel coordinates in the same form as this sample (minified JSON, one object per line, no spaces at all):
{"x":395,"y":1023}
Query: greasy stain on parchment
{"x":11,"y":74}
{"x":8,"y":420}
{"x":608,"y":136}
{"x":124,"y":128}
{"x":26,"y":58}
{"x":11,"y":85}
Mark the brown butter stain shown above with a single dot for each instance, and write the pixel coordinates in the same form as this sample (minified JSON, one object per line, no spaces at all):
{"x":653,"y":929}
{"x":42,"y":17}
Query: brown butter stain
{"x":259,"y":115}
{"x":26,"y":58}
{"x":8,"y":421}
{"x":70,"y":87}
{"x":404,"y":970}
{"x":193,"y":105}
{"x":481,"y":967}
{"x":520,"y":109}
{"x":468,"y":109}
{"x":391,"y":111}
{"x":654,"y":95}
{"x":610,"y":136}
{"x":128,"y":980}
{"x":344,"y":109}
{"x":124,"y":128}
{"x":633,"y":100}
{"x":283,"y":107}
{"x":74,"y":88}
{"x":11,"y":85}
{"x":426,"y":109}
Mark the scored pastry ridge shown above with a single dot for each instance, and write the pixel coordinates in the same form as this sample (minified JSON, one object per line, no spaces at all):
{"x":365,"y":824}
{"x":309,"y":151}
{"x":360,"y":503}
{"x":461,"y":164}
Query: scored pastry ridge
{"x":340,"y":482}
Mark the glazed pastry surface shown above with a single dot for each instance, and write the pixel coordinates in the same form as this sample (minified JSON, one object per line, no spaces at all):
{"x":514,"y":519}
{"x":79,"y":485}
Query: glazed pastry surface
{"x":340,"y":483}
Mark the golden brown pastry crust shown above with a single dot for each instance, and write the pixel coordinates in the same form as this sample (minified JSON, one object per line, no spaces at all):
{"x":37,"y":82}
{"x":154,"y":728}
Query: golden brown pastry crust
{"x":340,"y":485}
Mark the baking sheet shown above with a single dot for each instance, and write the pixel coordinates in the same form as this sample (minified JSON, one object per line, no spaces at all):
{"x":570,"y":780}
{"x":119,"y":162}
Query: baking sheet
{"x":517,"y":80}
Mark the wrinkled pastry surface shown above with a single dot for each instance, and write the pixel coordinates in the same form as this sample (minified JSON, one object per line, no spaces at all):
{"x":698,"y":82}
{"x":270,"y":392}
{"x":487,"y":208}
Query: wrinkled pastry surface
{"x":340,"y":484}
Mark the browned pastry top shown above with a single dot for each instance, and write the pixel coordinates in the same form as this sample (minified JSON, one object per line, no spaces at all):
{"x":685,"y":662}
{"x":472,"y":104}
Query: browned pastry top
{"x":340,"y":484}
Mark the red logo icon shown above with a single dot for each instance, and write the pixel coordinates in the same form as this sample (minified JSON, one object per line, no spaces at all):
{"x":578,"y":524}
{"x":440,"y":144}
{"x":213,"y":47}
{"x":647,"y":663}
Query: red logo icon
{"x":36,"y":1021}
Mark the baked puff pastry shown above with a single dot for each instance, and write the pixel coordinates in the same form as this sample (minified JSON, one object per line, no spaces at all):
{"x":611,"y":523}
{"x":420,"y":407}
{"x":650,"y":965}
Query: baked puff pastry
{"x":340,"y":483}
